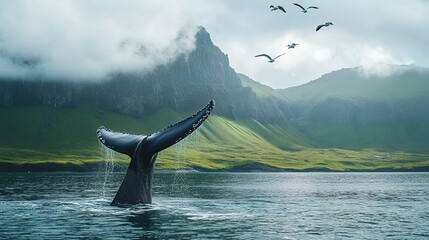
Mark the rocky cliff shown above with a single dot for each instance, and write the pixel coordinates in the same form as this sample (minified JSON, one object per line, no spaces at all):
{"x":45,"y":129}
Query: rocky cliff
{"x":184,"y":84}
{"x":344,"y":108}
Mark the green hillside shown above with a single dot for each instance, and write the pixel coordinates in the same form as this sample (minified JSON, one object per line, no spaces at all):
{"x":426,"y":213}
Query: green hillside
{"x":382,"y":137}
{"x":348,"y":109}
{"x":351,"y":83}
{"x":31,"y":135}
{"x":261,"y":90}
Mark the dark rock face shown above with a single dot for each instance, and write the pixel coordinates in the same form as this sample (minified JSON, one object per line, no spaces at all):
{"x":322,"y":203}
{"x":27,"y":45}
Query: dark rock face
{"x":205,"y":74}
{"x":340,"y":111}
{"x":202,"y":75}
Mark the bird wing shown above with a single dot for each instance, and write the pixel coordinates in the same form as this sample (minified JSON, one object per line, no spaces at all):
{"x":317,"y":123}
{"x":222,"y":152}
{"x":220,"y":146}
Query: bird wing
{"x":319,"y":27}
{"x":281,"y":8}
{"x":296,"y":4}
{"x":264,"y":55}
{"x":313,"y":7}
{"x":279,"y":56}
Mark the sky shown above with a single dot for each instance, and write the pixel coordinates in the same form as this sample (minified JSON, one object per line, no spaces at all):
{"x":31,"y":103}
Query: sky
{"x":82,"y":40}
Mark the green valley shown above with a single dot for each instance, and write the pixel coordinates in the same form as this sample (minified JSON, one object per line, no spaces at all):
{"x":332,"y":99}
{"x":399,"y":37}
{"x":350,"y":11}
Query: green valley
{"x":44,"y":135}
{"x":347,"y":120}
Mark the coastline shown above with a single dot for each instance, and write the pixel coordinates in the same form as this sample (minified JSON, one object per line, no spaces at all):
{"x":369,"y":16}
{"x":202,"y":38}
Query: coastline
{"x":94,"y":167}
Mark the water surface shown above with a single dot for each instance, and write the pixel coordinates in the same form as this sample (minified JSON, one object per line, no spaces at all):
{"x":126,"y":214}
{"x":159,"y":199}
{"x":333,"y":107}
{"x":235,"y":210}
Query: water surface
{"x":218,"y":205}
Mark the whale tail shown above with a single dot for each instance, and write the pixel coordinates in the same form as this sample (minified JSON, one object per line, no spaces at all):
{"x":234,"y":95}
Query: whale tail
{"x":155,"y":142}
{"x":136,"y":188}
{"x":120,"y":142}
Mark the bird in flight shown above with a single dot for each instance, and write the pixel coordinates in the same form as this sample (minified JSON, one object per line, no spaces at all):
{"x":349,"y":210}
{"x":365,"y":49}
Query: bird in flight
{"x":277,"y":8}
{"x":270,"y":60}
{"x":304,"y":10}
{"x":323,"y":25}
{"x":293,"y":45}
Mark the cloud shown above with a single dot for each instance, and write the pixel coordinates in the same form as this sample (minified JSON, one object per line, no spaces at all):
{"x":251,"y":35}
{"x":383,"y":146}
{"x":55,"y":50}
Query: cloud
{"x":87,"y":40}
{"x":79,"y":39}
{"x":365,"y":33}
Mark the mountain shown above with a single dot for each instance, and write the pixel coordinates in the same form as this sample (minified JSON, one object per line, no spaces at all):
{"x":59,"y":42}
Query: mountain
{"x":353,"y":110}
{"x":261,"y":90}
{"x":356,"y":110}
{"x":398,"y":83}
{"x":346,"y":120}
{"x":183,"y":85}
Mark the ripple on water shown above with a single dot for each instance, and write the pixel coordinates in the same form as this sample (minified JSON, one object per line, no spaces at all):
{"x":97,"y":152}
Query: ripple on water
{"x":239,"y":206}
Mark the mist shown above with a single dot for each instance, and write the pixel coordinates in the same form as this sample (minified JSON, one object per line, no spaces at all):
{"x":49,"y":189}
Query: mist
{"x":88,"y":40}
{"x":365,"y":33}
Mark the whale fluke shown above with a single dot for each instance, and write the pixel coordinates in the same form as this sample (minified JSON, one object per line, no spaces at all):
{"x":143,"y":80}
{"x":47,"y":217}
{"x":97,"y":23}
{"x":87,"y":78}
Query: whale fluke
{"x":120,"y":142}
{"x":136,"y":187}
{"x":174,"y":133}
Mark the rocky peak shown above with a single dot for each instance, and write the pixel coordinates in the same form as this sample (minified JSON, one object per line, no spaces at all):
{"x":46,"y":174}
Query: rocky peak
{"x":184,"y":84}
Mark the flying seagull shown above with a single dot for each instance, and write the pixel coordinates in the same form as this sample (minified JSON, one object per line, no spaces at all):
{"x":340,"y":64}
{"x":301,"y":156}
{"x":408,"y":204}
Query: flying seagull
{"x":293,"y":45}
{"x":277,"y":8}
{"x":270,"y":60}
{"x":303,"y":9}
{"x":323,"y":25}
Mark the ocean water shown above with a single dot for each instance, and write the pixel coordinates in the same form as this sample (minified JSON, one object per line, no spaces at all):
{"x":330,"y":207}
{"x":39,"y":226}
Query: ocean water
{"x":218,"y":206}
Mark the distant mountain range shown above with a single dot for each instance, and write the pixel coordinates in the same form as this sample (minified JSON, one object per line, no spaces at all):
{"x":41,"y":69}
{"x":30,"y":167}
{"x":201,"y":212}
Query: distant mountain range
{"x":351,"y":109}
{"x":343,"y":110}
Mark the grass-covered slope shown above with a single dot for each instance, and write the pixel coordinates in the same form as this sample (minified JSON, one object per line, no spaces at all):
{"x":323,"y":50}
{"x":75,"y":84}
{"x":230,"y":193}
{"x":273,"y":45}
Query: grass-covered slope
{"x":350,"y":109}
{"x":382,"y":137}
{"x":36,"y":135}
{"x":259,"y":89}
{"x":398,"y":83}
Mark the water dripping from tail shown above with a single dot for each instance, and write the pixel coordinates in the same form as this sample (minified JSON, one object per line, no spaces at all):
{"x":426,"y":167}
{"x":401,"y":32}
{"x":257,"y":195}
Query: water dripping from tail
{"x":180,"y":187}
{"x":179,"y":173}
{"x":106,"y":168}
